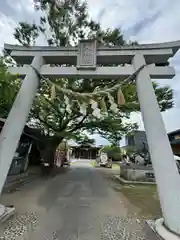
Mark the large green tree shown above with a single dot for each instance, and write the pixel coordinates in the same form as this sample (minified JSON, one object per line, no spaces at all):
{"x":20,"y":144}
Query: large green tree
{"x":9,"y":86}
{"x":64,"y":23}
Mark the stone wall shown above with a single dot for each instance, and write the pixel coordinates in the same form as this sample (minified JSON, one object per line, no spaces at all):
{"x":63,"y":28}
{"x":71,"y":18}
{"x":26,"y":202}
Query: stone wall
{"x":137,"y":173}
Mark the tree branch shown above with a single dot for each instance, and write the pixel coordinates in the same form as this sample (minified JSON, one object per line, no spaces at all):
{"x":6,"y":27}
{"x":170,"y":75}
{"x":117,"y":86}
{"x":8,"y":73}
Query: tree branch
{"x":52,"y":104}
{"x":56,"y":109}
{"x":79,"y":125}
{"x":47,"y":124}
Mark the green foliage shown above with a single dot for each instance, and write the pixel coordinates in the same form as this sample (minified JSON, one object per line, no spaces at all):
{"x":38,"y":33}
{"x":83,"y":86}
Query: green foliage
{"x":164,"y":96}
{"x":113,"y":152}
{"x":130,"y":149}
{"x":112,"y":127}
{"x":84,"y":140}
{"x":9,"y":86}
{"x":63,"y":25}
{"x":26,"y":33}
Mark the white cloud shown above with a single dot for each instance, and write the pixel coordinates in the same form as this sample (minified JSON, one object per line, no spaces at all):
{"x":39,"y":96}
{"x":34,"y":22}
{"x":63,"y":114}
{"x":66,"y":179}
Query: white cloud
{"x":22,"y":5}
{"x":125,"y":13}
{"x":163,"y":28}
{"x":7,"y":26}
{"x":100,"y":140}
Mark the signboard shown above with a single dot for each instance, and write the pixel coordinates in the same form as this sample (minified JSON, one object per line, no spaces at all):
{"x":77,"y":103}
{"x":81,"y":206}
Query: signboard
{"x":86,"y":58}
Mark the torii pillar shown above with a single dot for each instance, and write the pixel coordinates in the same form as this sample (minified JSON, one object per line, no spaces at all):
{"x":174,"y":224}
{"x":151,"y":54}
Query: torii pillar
{"x":164,"y":165}
{"x":14,"y":125}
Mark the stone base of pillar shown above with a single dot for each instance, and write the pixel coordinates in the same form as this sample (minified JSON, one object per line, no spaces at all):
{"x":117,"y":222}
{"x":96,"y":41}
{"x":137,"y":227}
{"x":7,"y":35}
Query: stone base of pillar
{"x":6,"y":212}
{"x":157,"y":231}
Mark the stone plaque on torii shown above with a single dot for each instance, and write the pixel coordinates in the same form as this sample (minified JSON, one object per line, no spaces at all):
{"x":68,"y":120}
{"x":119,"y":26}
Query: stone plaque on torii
{"x":86,"y":58}
{"x":87,"y":61}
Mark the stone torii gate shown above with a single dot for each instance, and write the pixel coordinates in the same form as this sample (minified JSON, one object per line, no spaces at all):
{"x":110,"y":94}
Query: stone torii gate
{"x":87,"y":60}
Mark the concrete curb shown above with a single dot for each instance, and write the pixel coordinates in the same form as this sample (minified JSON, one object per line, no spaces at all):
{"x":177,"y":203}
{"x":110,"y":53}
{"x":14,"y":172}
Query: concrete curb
{"x":125,"y":182}
{"x":158,"y":231}
{"x":163,"y":232}
{"x":9,"y":212}
{"x":150,"y":230}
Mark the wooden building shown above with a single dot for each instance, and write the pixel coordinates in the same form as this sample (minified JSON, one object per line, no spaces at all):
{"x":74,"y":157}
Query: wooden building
{"x":85,"y":151}
{"x":174,"y":138}
{"x":28,"y":150}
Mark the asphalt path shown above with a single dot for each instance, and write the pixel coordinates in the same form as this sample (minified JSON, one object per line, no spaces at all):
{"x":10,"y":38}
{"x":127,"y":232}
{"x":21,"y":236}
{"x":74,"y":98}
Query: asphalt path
{"x":79,"y":204}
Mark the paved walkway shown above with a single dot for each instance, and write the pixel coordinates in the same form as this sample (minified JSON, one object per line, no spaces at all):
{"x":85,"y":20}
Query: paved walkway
{"x":79,"y":204}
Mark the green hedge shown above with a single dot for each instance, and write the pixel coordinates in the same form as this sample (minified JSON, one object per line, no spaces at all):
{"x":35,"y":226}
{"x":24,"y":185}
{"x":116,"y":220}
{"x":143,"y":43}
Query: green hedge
{"x":113,"y":152}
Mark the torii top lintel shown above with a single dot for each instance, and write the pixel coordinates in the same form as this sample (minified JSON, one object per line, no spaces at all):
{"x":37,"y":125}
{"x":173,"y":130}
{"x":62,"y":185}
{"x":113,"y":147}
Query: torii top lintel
{"x":158,"y":53}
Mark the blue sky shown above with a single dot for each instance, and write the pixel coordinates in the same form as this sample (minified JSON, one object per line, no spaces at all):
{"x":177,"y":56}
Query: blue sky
{"x":146,"y":21}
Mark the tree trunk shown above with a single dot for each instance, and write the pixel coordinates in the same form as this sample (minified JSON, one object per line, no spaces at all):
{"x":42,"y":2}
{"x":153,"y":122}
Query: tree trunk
{"x":48,"y":152}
